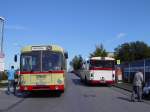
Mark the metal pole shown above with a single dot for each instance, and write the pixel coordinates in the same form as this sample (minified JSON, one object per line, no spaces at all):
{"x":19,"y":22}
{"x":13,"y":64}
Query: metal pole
{"x":1,"y":41}
{"x":129,"y":73}
{"x":144,"y":70}
{"x":2,"y":31}
{"x":2,"y":38}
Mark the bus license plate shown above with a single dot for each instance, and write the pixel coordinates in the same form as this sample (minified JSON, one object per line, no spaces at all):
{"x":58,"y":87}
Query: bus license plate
{"x":40,"y":80}
{"x":102,"y":81}
{"x":40,"y":76}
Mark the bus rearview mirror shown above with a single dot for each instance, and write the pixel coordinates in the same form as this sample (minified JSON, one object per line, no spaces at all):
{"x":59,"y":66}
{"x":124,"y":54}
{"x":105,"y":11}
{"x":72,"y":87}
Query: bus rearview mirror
{"x":15,"y":58}
{"x":66,"y":55}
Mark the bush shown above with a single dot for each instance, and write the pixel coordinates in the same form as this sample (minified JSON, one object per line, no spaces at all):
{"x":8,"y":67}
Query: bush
{"x":3,"y":76}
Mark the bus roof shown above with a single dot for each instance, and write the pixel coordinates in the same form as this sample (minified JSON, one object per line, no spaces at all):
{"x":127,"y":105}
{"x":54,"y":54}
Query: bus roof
{"x":102,"y":58}
{"x":42,"y":47}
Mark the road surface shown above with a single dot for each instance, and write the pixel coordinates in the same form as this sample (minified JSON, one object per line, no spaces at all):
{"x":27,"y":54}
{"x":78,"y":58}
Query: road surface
{"x":77,"y":98}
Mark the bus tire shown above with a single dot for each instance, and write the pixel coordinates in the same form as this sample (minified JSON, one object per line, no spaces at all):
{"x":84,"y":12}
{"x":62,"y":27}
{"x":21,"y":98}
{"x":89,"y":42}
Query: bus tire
{"x":86,"y":82}
{"x":109,"y":85}
{"x":81,"y":79}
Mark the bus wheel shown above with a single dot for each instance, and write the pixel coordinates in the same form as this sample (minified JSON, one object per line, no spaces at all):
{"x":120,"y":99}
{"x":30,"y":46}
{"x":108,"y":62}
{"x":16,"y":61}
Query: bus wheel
{"x":86,"y":82}
{"x":109,"y":85}
{"x":81,"y":79}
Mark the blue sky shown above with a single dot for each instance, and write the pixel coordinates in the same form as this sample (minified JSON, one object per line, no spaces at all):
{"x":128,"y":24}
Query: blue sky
{"x":76,"y":25}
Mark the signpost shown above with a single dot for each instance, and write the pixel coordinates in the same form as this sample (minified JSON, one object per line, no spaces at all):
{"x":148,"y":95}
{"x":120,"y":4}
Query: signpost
{"x":118,"y":62}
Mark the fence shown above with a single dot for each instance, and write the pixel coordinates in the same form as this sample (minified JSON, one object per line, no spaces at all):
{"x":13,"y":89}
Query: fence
{"x":129,"y":69}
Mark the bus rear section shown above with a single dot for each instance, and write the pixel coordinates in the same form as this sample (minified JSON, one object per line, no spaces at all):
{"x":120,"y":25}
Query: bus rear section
{"x":42,"y":68}
{"x":102,"y":76}
{"x":101,"y":71}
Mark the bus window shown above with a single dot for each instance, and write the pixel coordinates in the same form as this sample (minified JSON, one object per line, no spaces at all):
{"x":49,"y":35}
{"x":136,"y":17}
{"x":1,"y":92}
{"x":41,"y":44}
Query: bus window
{"x":102,"y":63}
{"x":26,"y":63}
{"x":51,"y":61}
{"x":30,"y":62}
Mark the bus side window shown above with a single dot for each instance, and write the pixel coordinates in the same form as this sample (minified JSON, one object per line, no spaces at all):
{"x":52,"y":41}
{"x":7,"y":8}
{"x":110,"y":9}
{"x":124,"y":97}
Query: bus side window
{"x":27,"y":62}
{"x":63,"y":65}
{"x":87,"y":65}
{"x":83,"y":66}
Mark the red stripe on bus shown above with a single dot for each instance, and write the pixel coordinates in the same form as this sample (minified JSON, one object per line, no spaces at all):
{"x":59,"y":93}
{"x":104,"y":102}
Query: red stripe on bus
{"x":101,"y":68}
{"x":58,"y":71}
{"x":41,"y":87}
{"x":101,"y":82}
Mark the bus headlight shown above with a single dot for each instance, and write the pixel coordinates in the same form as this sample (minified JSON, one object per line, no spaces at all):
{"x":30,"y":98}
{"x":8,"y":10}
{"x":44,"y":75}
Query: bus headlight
{"x":113,"y":75}
{"x":92,"y":75}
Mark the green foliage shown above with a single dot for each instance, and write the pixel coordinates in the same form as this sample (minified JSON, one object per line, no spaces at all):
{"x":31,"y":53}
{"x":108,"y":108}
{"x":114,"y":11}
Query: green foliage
{"x":3,"y":76}
{"x":132,"y":51}
{"x":99,"y":51}
{"x":77,"y":62}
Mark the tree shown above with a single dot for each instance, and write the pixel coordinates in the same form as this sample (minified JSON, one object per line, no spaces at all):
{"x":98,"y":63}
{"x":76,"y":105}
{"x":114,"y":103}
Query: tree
{"x":77,"y":62}
{"x":99,"y":51}
{"x":132,"y":51}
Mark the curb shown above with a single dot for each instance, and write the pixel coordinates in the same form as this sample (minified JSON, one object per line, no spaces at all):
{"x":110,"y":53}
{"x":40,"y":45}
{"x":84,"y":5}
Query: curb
{"x":122,"y":88}
{"x":3,"y":89}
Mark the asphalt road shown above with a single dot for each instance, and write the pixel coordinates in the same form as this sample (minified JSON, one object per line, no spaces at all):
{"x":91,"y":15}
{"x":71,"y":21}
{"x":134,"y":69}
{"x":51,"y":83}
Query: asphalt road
{"x":77,"y":98}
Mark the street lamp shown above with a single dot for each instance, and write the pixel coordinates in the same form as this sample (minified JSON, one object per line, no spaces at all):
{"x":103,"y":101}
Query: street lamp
{"x":1,"y":33}
{"x":1,"y":44}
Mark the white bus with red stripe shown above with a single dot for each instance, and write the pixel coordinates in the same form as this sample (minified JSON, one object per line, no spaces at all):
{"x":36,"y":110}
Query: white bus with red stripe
{"x":98,"y":70}
{"x":42,"y":68}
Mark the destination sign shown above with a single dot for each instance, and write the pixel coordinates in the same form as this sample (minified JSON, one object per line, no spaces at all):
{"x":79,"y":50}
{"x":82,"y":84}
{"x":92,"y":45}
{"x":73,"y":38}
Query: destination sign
{"x":38,"y":48}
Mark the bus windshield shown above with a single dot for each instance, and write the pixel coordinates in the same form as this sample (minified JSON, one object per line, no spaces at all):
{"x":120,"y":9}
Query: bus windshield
{"x":102,"y":63}
{"x":30,"y":61}
{"x":51,"y":61}
{"x":41,"y":61}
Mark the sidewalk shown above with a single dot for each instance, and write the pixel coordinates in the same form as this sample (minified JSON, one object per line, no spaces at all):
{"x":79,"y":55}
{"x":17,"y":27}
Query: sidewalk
{"x":125,"y":86}
{"x":7,"y":102}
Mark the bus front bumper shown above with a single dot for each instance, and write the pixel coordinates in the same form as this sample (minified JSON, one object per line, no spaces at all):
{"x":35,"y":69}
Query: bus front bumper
{"x":109,"y":82}
{"x":41,"y":87}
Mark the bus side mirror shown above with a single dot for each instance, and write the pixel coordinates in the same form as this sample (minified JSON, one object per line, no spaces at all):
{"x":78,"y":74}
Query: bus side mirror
{"x":66,"y":55}
{"x":84,"y":62}
{"x":88,"y":61}
{"x":15,"y":58}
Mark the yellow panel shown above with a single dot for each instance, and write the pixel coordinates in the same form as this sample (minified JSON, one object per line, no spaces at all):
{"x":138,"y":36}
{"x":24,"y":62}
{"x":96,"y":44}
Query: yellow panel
{"x":54,"y":48}
{"x":26,"y":49}
{"x":25,"y":79}
{"x":57,"y":79}
{"x":47,"y":79}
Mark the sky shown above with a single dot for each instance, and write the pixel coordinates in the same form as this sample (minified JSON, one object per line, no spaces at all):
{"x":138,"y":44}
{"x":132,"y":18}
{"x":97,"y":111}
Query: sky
{"x":76,"y":25}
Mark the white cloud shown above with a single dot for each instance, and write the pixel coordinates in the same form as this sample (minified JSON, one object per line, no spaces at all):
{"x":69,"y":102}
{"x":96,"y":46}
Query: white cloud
{"x":117,"y":37}
{"x":15,"y":27}
{"x":121,"y":35}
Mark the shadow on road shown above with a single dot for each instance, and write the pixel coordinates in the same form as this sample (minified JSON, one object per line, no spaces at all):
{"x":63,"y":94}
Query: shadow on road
{"x":37,"y":94}
{"x":81,"y":83}
{"x":78,"y":82}
{"x":146,"y":98}
{"x":125,"y":99}
{"x":43,"y":94}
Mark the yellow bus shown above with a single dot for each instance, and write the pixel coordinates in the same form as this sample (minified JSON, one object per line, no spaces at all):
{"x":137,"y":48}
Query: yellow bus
{"x":42,"y":67}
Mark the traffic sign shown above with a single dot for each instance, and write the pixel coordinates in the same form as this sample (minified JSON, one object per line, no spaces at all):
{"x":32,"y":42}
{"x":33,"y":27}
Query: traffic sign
{"x":118,"y":62}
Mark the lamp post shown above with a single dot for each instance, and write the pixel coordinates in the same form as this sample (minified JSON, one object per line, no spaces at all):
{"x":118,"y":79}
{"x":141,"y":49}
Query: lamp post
{"x":1,"y":44}
{"x":1,"y":33}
